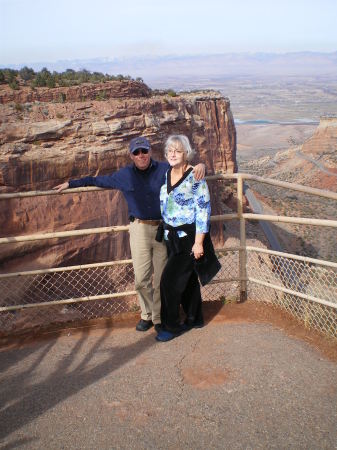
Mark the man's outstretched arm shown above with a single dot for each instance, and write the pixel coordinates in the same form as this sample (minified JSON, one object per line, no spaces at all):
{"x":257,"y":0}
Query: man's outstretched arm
{"x":114,"y":181}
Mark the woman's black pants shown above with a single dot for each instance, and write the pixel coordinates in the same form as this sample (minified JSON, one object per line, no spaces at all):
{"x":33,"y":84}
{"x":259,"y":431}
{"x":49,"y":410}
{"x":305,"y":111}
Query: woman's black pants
{"x":179,"y":285}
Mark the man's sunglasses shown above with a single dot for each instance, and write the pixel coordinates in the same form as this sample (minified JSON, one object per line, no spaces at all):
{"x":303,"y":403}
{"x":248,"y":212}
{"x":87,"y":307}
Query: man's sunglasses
{"x":140,"y":150}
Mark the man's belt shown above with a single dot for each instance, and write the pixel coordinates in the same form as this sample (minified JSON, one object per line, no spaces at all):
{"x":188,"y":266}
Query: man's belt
{"x":154,"y":223}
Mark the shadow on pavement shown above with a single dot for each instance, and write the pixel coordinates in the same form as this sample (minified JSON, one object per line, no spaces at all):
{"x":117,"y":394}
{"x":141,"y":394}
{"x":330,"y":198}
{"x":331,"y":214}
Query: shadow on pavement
{"x":27,"y":400}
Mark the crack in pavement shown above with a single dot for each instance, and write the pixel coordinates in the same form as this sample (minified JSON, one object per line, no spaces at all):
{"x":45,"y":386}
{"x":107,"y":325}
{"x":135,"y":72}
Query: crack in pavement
{"x":178,"y":365}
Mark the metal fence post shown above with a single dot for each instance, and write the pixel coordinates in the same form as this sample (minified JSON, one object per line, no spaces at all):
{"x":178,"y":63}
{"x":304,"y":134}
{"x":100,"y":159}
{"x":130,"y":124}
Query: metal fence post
{"x":242,"y":251}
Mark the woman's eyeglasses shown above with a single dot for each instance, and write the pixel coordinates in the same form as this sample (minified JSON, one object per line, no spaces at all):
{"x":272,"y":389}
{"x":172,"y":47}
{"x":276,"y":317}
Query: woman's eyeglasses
{"x":172,"y":151}
{"x":140,"y":150}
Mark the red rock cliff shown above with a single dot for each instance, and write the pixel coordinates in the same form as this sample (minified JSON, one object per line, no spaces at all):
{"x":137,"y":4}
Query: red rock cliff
{"x":83,"y":92}
{"x":45,"y":143}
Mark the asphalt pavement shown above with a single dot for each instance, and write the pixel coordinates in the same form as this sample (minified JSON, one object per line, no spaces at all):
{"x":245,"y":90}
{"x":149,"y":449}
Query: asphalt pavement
{"x":234,"y":384}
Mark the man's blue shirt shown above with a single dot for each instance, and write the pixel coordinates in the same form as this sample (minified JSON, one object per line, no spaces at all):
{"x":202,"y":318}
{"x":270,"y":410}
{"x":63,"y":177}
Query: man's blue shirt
{"x":141,"y":188}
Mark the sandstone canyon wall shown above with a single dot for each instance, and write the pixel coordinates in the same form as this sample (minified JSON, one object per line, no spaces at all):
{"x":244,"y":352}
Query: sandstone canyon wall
{"x":47,"y":141}
{"x":321,"y":151}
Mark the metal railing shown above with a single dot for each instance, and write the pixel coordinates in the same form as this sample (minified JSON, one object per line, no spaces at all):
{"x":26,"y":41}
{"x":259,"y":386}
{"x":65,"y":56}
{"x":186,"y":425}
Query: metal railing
{"x":305,"y":287}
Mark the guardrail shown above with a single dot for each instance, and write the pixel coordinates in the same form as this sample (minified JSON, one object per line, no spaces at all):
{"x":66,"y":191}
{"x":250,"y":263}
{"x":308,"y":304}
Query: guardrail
{"x":305,"y":287}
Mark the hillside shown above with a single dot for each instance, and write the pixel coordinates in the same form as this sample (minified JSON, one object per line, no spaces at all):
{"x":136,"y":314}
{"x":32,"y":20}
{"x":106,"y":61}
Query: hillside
{"x":312,"y":164}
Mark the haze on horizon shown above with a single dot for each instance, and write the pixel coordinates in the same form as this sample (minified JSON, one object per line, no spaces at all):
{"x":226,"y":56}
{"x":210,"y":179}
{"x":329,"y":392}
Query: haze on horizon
{"x":36,"y":31}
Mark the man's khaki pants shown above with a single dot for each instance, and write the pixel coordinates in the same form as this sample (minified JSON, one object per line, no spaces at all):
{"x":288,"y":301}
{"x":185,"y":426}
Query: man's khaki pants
{"x":149,"y":258}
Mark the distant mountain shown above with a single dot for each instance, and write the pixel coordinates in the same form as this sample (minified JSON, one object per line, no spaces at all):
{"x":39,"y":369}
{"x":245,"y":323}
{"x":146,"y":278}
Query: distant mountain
{"x":152,"y":68}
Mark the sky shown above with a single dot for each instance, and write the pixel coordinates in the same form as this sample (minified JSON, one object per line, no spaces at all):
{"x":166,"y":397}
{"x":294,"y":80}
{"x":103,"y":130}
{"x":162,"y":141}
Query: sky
{"x":38,"y":30}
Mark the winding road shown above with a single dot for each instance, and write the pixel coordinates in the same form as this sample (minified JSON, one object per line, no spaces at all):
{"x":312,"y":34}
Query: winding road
{"x":317,"y":164}
{"x":288,"y":276}
{"x":258,"y":209}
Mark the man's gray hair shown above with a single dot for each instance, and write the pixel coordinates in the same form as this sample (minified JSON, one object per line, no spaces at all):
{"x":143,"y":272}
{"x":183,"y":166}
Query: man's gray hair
{"x":183,"y":141}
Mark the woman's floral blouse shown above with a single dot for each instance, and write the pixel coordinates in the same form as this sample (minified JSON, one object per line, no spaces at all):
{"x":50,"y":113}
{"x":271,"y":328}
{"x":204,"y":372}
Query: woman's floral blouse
{"x":186,"y":202}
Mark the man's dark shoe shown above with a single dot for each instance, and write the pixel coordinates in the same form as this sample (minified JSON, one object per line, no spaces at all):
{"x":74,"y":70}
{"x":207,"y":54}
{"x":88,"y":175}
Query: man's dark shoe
{"x":144,"y":325}
{"x":158,"y":327}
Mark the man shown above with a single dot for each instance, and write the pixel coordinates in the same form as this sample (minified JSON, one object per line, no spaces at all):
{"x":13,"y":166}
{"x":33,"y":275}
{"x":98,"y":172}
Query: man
{"x":140,"y":183}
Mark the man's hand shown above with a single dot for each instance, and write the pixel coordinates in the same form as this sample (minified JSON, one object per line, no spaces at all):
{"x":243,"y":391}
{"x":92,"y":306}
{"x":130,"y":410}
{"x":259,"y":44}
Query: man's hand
{"x":61,"y":187}
{"x":199,"y":172}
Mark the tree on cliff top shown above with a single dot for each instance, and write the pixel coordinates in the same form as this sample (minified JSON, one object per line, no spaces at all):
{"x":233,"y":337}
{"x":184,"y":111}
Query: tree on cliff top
{"x":45,"y":78}
{"x":26,"y":73}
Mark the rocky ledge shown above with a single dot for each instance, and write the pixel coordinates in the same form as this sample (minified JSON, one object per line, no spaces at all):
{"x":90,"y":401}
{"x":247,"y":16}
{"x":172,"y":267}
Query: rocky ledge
{"x":80,"y":93}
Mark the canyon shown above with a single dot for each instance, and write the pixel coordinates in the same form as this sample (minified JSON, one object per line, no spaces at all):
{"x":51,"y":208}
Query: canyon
{"x":48,"y":136}
{"x":312,"y":163}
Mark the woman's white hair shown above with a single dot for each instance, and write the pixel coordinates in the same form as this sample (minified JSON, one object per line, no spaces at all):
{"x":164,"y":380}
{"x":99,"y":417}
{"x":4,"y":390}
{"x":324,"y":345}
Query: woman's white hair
{"x":183,"y":141}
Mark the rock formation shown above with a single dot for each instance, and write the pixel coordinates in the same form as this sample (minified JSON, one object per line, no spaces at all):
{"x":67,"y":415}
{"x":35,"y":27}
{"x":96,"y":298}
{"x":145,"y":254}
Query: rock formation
{"x":83,"y":92}
{"x":67,"y":134}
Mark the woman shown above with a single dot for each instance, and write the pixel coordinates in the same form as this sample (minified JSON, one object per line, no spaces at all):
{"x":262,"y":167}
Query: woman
{"x":185,"y":208}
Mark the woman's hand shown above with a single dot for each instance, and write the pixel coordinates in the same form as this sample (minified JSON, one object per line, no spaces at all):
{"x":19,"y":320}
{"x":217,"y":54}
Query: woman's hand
{"x":61,"y":187}
{"x":198,"y":250}
{"x":199,"y":172}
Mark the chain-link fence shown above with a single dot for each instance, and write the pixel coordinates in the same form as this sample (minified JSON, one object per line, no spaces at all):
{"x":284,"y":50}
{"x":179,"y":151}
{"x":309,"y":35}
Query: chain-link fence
{"x":87,"y":292}
{"x":304,"y":287}
{"x":225,"y":286}
{"x":83,"y":293}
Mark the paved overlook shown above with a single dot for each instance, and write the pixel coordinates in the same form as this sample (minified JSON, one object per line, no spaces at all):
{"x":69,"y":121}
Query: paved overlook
{"x":250,"y":379}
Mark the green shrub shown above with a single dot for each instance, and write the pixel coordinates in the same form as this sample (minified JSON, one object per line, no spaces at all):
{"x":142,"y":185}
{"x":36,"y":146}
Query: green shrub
{"x":26,"y":73}
{"x":40,"y":80}
{"x":101,"y":96}
{"x":62,"y":97}
{"x":70,"y":77}
{"x":50,"y":82}
{"x":14,"y":85}
{"x":83,"y":76}
{"x":18,"y":107}
{"x":10,"y":75}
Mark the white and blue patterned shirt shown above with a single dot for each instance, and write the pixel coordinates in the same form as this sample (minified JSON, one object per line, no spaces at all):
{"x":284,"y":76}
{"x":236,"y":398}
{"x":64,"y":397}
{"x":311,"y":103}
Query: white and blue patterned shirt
{"x":186,"y":202}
